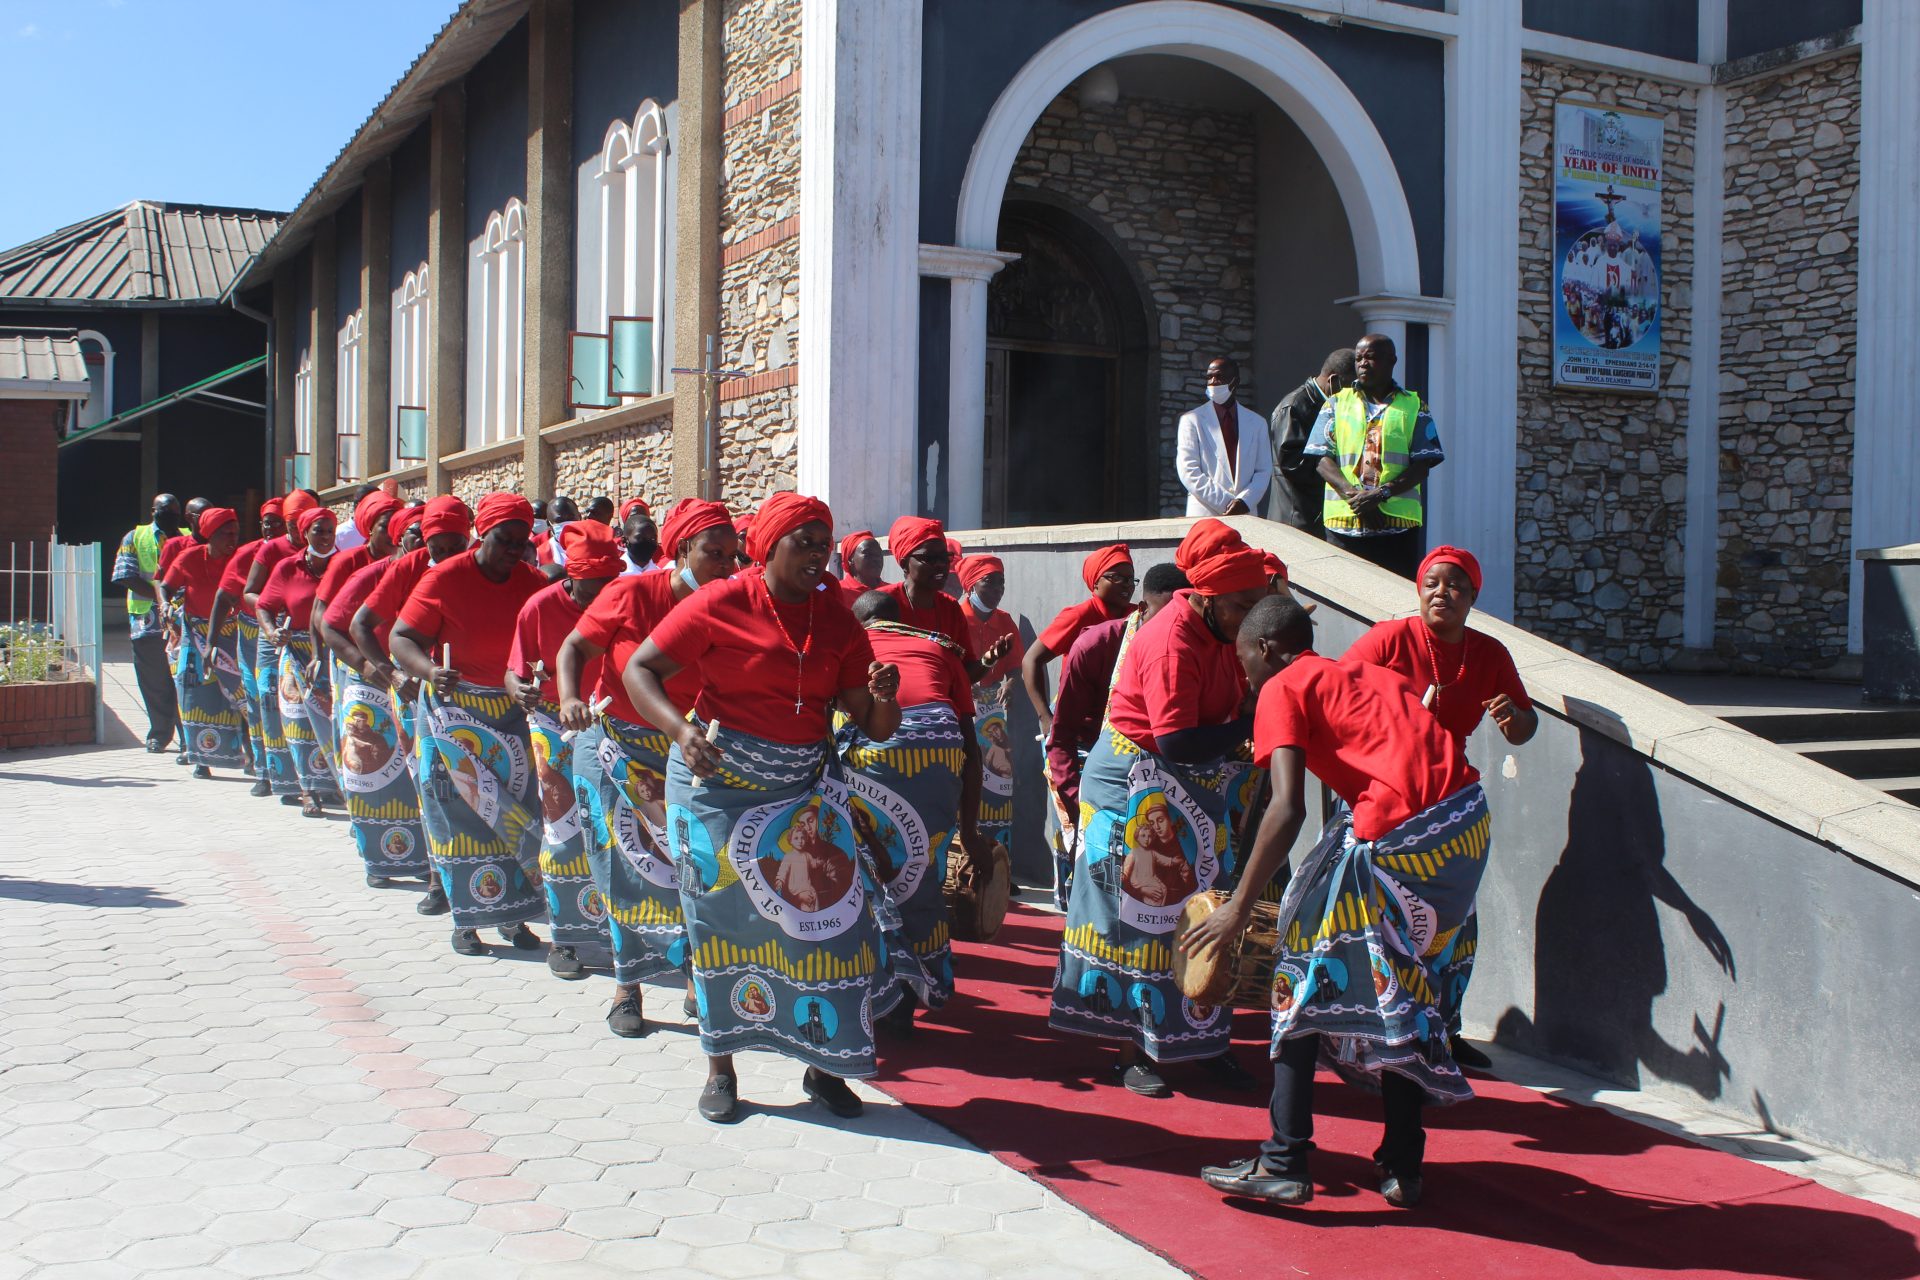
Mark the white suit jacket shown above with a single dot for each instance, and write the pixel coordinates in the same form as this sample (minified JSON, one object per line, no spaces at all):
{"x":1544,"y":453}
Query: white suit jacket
{"x":1202,"y":461}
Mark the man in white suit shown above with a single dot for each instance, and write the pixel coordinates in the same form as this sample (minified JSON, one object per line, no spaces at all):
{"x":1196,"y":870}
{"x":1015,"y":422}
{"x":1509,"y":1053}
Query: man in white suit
{"x":1224,"y":457}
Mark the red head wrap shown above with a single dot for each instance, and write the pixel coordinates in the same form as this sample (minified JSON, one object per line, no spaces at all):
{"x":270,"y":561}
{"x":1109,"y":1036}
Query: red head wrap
{"x":498,"y":508}
{"x":910,"y":533}
{"x":1276,"y":567}
{"x":592,"y":550}
{"x":398,"y":522}
{"x":955,"y":553}
{"x":850,"y":544}
{"x":272,"y":507}
{"x":213,"y":517}
{"x":312,"y":516}
{"x":779,"y":516}
{"x":1218,"y":562}
{"x":690,"y":518}
{"x":975,"y":568}
{"x":1102,"y":560}
{"x":373,"y":509}
{"x":445,"y":514}
{"x":632,"y":505}
{"x":296,"y":502}
{"x":1439,"y":555}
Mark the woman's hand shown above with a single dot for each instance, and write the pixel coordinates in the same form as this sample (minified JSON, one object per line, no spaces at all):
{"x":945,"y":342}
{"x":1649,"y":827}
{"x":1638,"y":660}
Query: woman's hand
{"x":444,"y":680}
{"x":702,"y":757}
{"x":996,"y":651}
{"x":1219,"y":930}
{"x":575,"y":715}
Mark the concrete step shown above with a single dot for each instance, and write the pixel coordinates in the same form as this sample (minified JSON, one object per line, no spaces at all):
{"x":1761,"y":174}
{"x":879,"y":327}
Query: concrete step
{"x":1864,"y":758}
{"x":1796,"y":725}
{"x":1905,"y":788}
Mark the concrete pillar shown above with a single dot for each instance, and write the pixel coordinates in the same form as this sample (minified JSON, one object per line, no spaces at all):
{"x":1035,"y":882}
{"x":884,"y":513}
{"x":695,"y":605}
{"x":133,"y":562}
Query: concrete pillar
{"x":286,"y":343}
{"x":447,"y":283}
{"x":149,"y":392}
{"x":696,"y":301}
{"x":859,"y":257}
{"x":549,"y":303}
{"x":325,"y":318}
{"x":376,"y":316}
{"x":970,"y":272}
{"x":1886,"y":472}
{"x":1701,"y":563}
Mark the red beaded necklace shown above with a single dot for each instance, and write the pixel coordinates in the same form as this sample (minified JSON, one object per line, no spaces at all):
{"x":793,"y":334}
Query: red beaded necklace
{"x":800,"y":650}
{"x":1432,"y":694}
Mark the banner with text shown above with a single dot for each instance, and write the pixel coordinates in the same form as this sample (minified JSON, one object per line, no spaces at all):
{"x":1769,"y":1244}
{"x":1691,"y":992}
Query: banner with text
{"x":1606,"y":261}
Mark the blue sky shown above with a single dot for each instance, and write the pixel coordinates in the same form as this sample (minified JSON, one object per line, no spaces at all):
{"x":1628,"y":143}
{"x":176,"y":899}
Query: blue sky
{"x":234,"y":102}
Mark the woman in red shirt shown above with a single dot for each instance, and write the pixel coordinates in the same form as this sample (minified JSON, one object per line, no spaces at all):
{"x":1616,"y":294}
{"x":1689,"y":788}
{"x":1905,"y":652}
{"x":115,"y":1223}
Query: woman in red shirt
{"x":862,"y":562}
{"x":477,"y":790}
{"x":1108,"y":573}
{"x":620,"y":760}
{"x":1153,"y":820}
{"x":205,"y":676}
{"x":299,"y":688}
{"x":229,"y":601}
{"x":923,"y":551}
{"x":778,"y":653}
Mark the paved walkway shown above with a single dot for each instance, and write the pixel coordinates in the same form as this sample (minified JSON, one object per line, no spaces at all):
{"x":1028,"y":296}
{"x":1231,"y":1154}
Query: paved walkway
{"x":223,"y":1055}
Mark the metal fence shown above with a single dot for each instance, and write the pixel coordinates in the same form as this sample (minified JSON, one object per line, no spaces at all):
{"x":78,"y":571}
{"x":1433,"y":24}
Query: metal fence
{"x":52,"y":625}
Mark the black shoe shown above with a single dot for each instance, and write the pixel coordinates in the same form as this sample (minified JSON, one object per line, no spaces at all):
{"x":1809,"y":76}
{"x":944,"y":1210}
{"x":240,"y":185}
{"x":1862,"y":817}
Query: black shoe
{"x":1248,"y":1179}
{"x":691,"y":1008}
{"x":1143,"y":1080}
{"x":897,"y":1022}
{"x":435,"y":901}
{"x":157,"y":748}
{"x":292,"y":800}
{"x":261,"y":787}
{"x":377,"y":882}
{"x":563,"y":963}
{"x":720,"y":1100}
{"x":467,"y":942}
{"x":182,"y":759}
{"x":202,"y":771}
{"x":1401,"y":1190}
{"x":1466,"y":1055}
{"x":832,"y":1093}
{"x":521,"y":937}
{"x":627,"y":1021}
{"x":1227,"y":1071}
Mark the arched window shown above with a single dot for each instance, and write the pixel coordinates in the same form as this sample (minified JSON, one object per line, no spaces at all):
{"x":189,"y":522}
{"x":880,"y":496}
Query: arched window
{"x":98,"y":353}
{"x":407,"y":425}
{"x":302,"y":477}
{"x":622,"y":209}
{"x":496,"y":333}
{"x":349,"y":459}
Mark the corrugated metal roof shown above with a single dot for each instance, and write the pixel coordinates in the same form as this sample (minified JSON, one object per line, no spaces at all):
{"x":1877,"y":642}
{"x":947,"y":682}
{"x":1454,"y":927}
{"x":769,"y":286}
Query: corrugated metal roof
{"x":43,"y":359}
{"x":144,"y":252}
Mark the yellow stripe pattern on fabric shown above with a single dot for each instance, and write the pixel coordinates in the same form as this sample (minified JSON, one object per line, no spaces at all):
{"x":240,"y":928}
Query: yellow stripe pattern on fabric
{"x":814,"y":966}
{"x":648,"y":912}
{"x":936,"y":941}
{"x":576,"y":866}
{"x":1150,"y":955}
{"x":909,"y":761}
{"x":393,"y":810}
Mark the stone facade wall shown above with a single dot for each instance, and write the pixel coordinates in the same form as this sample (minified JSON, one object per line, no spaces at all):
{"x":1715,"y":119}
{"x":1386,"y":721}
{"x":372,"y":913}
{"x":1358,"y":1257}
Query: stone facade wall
{"x":634,"y":461}
{"x":1601,"y":507}
{"x":1786,"y":367}
{"x":760,"y":248}
{"x":1194,"y":255}
{"x":413,"y":491}
{"x":501,"y":475}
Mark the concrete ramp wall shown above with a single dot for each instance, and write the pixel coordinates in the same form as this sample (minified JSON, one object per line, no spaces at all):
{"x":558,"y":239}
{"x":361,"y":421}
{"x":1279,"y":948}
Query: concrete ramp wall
{"x":1672,"y":903}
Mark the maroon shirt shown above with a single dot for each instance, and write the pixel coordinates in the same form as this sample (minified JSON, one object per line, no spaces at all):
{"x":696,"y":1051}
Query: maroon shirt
{"x":1085,"y":677}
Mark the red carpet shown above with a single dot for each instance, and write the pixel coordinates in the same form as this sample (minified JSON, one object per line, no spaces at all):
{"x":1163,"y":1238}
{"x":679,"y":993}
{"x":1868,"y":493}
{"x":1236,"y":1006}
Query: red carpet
{"x":1518,"y":1185}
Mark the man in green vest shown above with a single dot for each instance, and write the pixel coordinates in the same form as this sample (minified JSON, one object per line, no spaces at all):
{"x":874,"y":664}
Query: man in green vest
{"x":134,"y":567}
{"x":1376,"y":442}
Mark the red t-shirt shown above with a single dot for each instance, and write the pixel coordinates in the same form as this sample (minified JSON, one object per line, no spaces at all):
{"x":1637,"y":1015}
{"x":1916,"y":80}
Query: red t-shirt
{"x":290,"y":590}
{"x":986,"y":630}
{"x":274,"y":550}
{"x":344,"y":603}
{"x":341,"y":566}
{"x":945,"y":616}
{"x":458,"y":606}
{"x":546,"y":620}
{"x":170,"y":551}
{"x":621,"y":617}
{"x":1175,"y":675}
{"x":1075,"y":618}
{"x":929,"y":672}
{"x":200,"y":575}
{"x":1365,"y":734}
{"x":1475,"y":670}
{"x":852,"y":588}
{"x":391,"y":592}
{"x":234,"y":580}
{"x":738,"y":628}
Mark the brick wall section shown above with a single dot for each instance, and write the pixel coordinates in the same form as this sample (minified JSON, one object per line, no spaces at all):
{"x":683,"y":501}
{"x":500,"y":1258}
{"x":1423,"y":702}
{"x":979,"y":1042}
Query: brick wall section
{"x":29,"y":482}
{"x":759,"y":210}
{"x":1786,"y":362}
{"x":1601,"y":507}
{"x":634,"y":461}
{"x":502,"y":475}
{"x":46,"y":715}
{"x":1193,"y":255}
{"x":413,"y":491}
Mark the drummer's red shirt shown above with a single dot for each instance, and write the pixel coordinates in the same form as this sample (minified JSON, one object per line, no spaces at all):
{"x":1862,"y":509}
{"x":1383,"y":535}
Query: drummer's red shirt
{"x":929,"y":671}
{"x":618,"y":621}
{"x":546,"y":620}
{"x":199,"y":574}
{"x":1175,"y":676}
{"x":458,"y":606}
{"x":1365,"y":734}
{"x":944,"y":616}
{"x":1478,"y":669}
{"x":738,"y":628}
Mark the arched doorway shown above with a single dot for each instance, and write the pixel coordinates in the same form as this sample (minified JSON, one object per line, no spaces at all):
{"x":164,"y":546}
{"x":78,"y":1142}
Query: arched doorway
{"x":1068,"y":367}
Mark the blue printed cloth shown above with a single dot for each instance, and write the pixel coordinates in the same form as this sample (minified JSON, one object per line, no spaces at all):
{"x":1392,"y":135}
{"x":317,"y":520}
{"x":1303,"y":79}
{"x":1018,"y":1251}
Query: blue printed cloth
{"x":207,"y":690}
{"x":306,"y":718}
{"x":575,"y":907}
{"x":621,"y":768}
{"x":377,"y":777}
{"x":477,"y":797}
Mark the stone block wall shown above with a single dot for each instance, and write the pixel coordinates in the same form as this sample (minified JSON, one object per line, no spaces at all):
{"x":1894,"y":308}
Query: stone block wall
{"x":634,"y":461}
{"x":414,"y":491}
{"x":760,"y":247}
{"x":501,"y":475}
{"x":1786,"y":367}
{"x":1193,"y":256}
{"x":1601,"y":507}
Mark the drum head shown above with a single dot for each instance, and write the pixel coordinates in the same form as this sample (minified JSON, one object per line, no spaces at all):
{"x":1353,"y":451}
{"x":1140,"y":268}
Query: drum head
{"x":1205,"y":979}
{"x":996,"y":888}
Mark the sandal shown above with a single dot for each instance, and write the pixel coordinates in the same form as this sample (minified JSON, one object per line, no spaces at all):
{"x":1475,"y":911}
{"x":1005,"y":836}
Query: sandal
{"x":311,"y":808}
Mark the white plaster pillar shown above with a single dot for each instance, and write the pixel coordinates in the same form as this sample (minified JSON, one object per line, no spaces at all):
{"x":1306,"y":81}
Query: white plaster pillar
{"x":1886,"y":471}
{"x":968,"y":271}
{"x":1470,"y":502}
{"x":859,"y":256}
{"x":1700,"y":598}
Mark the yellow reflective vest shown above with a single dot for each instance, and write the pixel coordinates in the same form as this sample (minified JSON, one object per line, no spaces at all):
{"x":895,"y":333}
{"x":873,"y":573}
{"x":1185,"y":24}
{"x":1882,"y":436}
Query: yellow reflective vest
{"x":1397,"y":422}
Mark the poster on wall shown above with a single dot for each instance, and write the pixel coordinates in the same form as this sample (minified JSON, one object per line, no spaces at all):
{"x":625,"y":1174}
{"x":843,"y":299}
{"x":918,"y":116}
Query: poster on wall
{"x":1606,"y":262}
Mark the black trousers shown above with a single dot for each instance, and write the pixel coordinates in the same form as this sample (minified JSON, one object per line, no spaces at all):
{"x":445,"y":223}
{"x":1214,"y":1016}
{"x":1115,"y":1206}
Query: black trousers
{"x":156,"y":687}
{"x":1401,"y":1150}
{"x":1397,"y":552}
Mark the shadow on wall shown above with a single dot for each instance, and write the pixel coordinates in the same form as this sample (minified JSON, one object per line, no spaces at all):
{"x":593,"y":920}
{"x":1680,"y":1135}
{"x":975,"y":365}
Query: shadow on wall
{"x":1599,"y":958}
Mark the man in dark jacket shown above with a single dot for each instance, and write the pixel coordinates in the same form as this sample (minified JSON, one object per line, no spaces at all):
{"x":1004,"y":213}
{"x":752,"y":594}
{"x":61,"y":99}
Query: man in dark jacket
{"x":1297,"y":489}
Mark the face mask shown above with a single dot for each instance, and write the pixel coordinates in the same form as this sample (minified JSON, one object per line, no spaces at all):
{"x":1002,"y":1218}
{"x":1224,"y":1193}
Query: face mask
{"x":686,"y":576}
{"x":1219,"y":395}
{"x":539,"y":526}
{"x":322,"y":554}
{"x":979,"y":605}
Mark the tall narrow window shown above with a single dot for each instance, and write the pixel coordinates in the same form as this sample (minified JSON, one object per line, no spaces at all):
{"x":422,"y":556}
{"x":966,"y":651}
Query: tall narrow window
{"x":409,"y":398}
{"x":302,"y":477}
{"x":98,"y":353}
{"x":496,"y":334}
{"x":349,"y":461}
{"x":622,"y":204}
